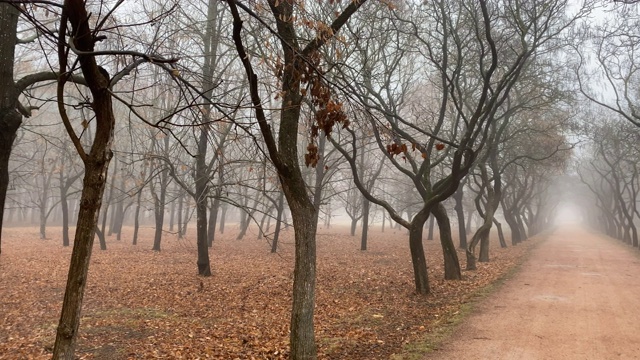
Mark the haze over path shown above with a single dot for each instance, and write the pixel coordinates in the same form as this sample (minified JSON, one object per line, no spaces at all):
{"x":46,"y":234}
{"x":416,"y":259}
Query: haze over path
{"x":576,"y":297}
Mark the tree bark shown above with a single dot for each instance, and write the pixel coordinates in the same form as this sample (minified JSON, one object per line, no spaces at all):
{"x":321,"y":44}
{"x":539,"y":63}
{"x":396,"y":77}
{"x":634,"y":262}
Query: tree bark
{"x":96,"y":169}
{"x":458,"y":196}
{"x":201,"y":180}
{"x":276,"y":233}
{"x":418,"y":259}
{"x":451,"y":262}
{"x":10,"y":119}
{"x":366,"y":205}
{"x":503,"y":241}
{"x":213,"y":219}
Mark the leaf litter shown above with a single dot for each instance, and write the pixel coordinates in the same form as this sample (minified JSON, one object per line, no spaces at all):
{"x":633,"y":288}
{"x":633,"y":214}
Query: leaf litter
{"x":142,"y":304}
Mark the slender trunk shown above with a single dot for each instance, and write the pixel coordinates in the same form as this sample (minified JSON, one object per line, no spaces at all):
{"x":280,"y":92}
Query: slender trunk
{"x":365,"y":223}
{"x":223,"y":218}
{"x":107,"y":203}
{"x":261,"y":229}
{"x":384,"y":217}
{"x":172,"y":215}
{"x":44,"y":203}
{"x":276,"y":234}
{"x":354,"y":224}
{"x":213,"y":220}
{"x":204,"y":266}
{"x":431,"y":226}
{"x":481,"y":237}
{"x":503,"y":241}
{"x":180,"y":214}
{"x":246,"y":220}
{"x":462,"y":231}
{"x":467,"y":226}
{"x":243,"y":221}
{"x":120,"y":210}
{"x":158,"y":213}
{"x":418,"y":258}
{"x":201,"y":182}
{"x":64,"y":205}
{"x":451,"y":262}
{"x":136,"y":218}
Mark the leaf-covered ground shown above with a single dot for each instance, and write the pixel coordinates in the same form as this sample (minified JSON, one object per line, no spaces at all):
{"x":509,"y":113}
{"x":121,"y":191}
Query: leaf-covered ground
{"x":142,"y":304}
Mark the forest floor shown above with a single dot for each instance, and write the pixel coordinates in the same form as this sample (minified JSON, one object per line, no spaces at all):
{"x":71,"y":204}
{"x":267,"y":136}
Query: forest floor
{"x":575,"y":297}
{"x":143,"y":304}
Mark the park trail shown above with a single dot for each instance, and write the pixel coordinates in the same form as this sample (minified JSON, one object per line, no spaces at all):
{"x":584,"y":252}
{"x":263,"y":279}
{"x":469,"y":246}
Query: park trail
{"x":577,"y":296}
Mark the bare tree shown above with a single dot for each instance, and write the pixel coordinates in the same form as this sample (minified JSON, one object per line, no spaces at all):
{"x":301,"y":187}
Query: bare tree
{"x":300,"y":65}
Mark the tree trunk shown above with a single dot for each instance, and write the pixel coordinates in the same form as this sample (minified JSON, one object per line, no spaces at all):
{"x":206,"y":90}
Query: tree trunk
{"x":462,"y":231}
{"x":95,"y":177}
{"x":201,"y":181}
{"x":10,"y":119}
{"x":451,"y":262}
{"x":418,"y":259}
{"x":172,"y":215}
{"x":180,"y":214}
{"x":118,"y":218}
{"x":106,"y":204}
{"x":516,"y":236}
{"x":136,"y":218}
{"x":431,"y":226}
{"x":302,"y":337}
{"x":64,"y":205}
{"x":158,"y":213}
{"x":503,"y":241}
{"x":96,"y":169}
{"x":354,"y":224}
{"x":467,"y":226}
{"x":365,"y":223}
{"x":276,"y":233}
{"x":223,"y":218}
{"x":43,"y":210}
{"x":213,"y":220}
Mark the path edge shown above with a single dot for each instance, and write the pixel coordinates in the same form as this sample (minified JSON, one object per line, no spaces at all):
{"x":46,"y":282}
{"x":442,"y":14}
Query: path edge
{"x":451,"y":321}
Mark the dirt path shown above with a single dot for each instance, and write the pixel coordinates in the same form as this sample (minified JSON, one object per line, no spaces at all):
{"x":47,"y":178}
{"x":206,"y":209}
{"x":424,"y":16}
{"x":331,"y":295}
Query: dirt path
{"x":576,"y":297}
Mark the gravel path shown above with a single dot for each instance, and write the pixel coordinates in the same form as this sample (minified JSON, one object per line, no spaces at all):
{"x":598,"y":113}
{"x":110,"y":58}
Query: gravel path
{"x":576,"y":297}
